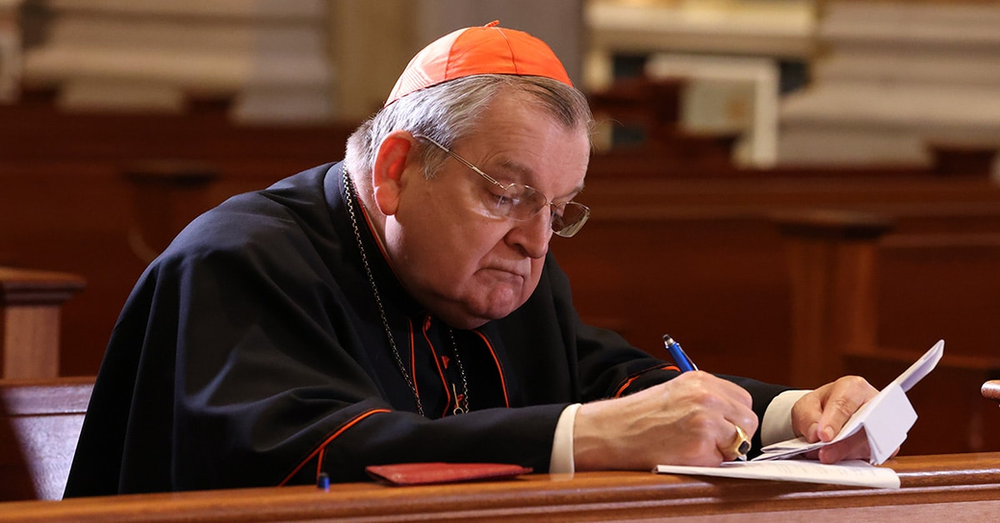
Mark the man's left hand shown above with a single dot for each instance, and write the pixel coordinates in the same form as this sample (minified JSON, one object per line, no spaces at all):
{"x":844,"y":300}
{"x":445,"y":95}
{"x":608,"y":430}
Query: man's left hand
{"x":821,"y":414}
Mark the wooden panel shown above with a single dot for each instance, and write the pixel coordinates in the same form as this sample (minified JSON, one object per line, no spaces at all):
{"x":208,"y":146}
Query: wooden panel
{"x":831,"y":261}
{"x":40,"y":423}
{"x":718,"y":285}
{"x":941,"y":285}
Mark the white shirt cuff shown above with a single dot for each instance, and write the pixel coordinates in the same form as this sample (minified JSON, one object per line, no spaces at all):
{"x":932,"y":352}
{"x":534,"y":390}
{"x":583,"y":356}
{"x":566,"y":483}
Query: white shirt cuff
{"x":777,"y":423}
{"x":561,"y":461}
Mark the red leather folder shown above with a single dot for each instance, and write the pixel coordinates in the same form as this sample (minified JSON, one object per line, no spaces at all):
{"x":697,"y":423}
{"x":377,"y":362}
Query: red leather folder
{"x":430,"y":473}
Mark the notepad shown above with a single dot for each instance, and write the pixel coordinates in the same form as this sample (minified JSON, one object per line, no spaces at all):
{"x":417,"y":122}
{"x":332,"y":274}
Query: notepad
{"x":853,"y":473}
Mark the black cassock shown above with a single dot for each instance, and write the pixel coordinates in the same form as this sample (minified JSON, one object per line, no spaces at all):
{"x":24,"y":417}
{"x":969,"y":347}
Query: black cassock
{"x":252,"y":353}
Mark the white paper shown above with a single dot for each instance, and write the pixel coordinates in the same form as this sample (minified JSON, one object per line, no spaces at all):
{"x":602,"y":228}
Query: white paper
{"x":921,"y":367}
{"x":888,"y":423}
{"x":887,"y":417}
{"x":855,"y":473}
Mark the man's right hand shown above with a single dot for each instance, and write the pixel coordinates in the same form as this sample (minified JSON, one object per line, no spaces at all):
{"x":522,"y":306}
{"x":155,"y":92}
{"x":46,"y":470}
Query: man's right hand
{"x":688,"y":420}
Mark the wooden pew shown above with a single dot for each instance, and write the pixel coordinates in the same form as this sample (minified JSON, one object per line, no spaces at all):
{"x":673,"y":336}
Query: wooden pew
{"x":30,"y":320}
{"x":166,"y":196}
{"x":82,"y":192}
{"x":932,"y":488}
{"x":40,"y":423}
{"x":831,"y":263}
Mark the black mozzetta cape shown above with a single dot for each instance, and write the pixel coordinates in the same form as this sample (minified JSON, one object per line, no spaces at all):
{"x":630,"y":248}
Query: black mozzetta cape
{"x":252,"y":353}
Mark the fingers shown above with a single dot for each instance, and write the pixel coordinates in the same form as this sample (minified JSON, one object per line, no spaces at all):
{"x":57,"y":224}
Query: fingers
{"x":854,"y":447}
{"x":819,"y":415}
{"x":806,"y":413}
{"x":725,"y":410}
{"x":846,"y":396}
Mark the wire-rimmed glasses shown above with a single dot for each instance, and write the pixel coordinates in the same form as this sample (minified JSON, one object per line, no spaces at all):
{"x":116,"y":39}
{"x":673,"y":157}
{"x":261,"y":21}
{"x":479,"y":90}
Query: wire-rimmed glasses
{"x":522,"y":202}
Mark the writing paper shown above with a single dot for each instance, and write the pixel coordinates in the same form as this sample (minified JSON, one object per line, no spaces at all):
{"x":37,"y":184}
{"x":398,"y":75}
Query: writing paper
{"x":855,"y":473}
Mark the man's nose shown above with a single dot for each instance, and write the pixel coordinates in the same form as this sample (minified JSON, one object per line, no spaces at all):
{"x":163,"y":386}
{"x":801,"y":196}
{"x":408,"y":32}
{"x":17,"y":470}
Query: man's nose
{"x":533,"y":235}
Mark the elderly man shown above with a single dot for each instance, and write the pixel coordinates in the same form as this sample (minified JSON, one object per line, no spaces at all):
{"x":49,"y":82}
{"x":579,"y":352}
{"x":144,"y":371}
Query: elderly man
{"x":401,"y":306}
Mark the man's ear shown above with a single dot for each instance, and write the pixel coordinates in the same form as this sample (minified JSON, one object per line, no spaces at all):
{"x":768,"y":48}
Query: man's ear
{"x":391,"y":161}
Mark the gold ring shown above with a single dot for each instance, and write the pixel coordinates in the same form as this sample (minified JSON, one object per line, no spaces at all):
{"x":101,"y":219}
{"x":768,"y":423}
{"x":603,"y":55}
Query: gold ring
{"x":741,"y":445}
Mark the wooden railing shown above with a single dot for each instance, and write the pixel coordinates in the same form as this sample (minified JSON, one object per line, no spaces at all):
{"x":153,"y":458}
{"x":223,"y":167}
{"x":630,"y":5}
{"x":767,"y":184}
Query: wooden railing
{"x":933,"y":488}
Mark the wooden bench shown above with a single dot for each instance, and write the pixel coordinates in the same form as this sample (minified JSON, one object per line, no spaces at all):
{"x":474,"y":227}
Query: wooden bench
{"x":40,"y":422}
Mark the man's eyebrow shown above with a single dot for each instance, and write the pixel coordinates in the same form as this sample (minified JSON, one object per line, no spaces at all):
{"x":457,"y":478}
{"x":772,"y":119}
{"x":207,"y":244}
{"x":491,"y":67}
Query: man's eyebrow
{"x":508,"y":164}
{"x":524,"y":172}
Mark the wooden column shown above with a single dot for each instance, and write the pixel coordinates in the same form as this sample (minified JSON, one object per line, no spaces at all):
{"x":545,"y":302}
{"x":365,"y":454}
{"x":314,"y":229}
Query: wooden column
{"x":831,"y":258}
{"x":30,"y":308}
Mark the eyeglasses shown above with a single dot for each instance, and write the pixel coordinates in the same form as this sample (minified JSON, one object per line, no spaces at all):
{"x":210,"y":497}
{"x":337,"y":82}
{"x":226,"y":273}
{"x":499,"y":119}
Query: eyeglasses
{"x":522,"y":202}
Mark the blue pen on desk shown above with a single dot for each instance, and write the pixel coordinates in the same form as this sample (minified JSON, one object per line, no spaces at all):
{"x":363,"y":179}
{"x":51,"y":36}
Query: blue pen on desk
{"x":677,"y":353}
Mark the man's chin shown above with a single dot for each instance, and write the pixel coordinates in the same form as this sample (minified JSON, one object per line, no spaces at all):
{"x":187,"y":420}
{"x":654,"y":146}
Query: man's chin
{"x":472,"y":320}
{"x":471,"y":317}
{"x":492,"y":304}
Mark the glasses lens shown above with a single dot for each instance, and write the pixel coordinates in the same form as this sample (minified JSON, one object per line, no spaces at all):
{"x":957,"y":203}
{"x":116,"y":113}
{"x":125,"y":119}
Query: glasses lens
{"x":527,"y":203}
{"x":570,"y":220}
{"x":504,"y":202}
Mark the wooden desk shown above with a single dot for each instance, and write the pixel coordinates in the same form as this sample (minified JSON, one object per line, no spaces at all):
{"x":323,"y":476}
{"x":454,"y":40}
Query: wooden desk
{"x":932,"y":487}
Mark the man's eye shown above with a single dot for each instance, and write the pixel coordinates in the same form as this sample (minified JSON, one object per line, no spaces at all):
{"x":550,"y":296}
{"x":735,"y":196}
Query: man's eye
{"x":503,"y":200}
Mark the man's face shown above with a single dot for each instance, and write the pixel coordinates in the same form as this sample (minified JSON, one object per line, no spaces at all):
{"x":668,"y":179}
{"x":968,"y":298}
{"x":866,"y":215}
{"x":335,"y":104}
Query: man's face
{"x":464,"y":265}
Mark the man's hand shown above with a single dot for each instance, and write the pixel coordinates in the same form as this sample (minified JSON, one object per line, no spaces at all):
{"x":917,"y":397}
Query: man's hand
{"x":689,"y":420}
{"x":821,"y":414}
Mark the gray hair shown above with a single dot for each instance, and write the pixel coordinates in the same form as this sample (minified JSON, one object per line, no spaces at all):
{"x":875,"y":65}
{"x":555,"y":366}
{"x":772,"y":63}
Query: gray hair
{"x":448,"y":112}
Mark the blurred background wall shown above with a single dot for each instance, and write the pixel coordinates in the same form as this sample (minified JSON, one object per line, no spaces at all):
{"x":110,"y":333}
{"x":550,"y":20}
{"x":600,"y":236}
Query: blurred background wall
{"x":802,"y":81}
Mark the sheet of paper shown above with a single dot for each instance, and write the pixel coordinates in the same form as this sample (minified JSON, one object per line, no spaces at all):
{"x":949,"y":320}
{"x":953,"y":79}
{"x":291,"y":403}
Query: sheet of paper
{"x":854,"y":473}
{"x":887,"y":417}
{"x":888,"y":423}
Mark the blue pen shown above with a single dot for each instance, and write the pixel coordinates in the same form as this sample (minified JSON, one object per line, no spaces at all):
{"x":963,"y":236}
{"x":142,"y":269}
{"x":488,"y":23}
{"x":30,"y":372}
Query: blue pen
{"x":742,"y":443}
{"x":677,"y":353}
